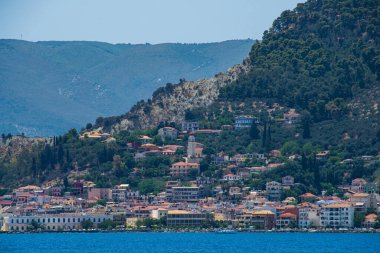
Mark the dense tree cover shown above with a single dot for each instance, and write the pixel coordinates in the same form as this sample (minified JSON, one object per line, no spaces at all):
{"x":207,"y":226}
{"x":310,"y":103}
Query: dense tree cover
{"x":315,"y":57}
{"x":322,"y":59}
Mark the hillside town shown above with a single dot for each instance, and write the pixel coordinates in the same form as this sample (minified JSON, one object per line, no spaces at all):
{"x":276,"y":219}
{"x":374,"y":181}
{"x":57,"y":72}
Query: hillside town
{"x":206,"y":202}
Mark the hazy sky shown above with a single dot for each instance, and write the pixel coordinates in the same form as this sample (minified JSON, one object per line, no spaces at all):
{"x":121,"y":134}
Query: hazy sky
{"x":139,"y":21}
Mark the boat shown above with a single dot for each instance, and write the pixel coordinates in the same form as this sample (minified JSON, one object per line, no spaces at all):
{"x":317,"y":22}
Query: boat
{"x":227,"y":231}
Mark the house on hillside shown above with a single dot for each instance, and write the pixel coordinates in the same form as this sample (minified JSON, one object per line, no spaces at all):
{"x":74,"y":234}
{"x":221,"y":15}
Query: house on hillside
{"x":273,"y":190}
{"x":183,"y":168}
{"x":292,"y":117}
{"x":190,"y":126}
{"x":168,"y":133}
{"x":245,"y":121}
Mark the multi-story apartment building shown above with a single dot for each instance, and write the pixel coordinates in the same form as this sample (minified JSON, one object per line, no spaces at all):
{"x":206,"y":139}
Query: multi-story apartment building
{"x":183,"y":194}
{"x":183,"y":168}
{"x":274,"y":190}
{"x":123,"y":193}
{"x":340,"y":215}
{"x":308,"y":215}
{"x":185,"y":218}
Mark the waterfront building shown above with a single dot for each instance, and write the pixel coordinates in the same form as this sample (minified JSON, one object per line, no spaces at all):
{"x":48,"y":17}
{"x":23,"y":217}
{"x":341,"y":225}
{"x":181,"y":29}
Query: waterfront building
{"x":58,"y":222}
{"x":185,"y":218}
{"x":308,"y":215}
{"x":339,"y":215}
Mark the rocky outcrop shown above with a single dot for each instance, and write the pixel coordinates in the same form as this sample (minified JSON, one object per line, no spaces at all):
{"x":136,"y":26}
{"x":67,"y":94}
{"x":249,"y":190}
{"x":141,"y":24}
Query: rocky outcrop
{"x":12,"y":147}
{"x":171,"y":102}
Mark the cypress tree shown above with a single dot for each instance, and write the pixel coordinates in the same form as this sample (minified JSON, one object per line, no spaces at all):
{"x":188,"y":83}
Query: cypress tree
{"x":264,"y":138}
{"x":254,"y":132}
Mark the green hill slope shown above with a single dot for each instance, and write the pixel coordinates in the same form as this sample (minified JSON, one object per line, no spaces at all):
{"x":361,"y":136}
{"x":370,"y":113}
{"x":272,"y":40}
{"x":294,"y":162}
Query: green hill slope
{"x":321,"y":59}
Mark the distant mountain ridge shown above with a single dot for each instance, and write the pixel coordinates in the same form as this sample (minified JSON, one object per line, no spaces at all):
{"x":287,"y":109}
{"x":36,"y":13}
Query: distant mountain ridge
{"x":49,"y":87}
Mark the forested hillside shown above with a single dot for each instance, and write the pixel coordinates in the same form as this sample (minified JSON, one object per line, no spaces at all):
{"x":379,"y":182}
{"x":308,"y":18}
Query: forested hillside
{"x":315,"y":57}
{"x":319,"y":61}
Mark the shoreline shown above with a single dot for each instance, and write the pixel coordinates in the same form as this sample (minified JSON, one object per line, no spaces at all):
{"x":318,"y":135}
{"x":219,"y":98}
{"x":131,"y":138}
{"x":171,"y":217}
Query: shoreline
{"x":373,"y":231}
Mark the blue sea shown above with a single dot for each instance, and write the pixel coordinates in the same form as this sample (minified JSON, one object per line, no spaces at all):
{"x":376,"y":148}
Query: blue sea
{"x":189,"y":242}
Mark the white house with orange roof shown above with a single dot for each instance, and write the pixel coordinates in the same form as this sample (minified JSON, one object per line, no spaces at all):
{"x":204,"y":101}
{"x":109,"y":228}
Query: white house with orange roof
{"x":369,"y":220}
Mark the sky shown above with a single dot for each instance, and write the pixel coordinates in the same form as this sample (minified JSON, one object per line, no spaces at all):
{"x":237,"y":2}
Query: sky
{"x":139,"y":21}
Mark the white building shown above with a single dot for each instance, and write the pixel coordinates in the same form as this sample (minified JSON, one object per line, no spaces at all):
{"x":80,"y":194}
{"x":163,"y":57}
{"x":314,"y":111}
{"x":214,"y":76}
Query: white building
{"x":56,"y":222}
{"x":231,"y":177}
{"x":168,"y":133}
{"x":123,"y":193}
{"x":308,"y":215}
{"x":159,"y":213}
{"x":274,"y":190}
{"x":183,"y":194}
{"x":338,"y":215}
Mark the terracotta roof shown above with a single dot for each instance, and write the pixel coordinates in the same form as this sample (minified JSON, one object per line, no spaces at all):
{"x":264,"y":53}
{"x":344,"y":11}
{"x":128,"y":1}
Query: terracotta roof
{"x":308,"y":195}
{"x":337,"y":205}
{"x":144,"y":137}
{"x":263,"y":212}
{"x":371,"y":217}
{"x":185,"y":164}
{"x":287,"y":215}
{"x":360,"y":195}
{"x":178,"y":212}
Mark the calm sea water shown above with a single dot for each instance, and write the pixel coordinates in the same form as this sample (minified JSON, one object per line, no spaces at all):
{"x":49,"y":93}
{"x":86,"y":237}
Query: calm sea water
{"x":189,"y":242}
